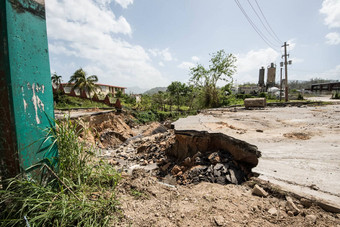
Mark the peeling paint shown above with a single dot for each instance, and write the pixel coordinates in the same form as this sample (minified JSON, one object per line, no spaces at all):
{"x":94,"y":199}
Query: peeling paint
{"x":37,"y":103}
{"x":25,"y":104}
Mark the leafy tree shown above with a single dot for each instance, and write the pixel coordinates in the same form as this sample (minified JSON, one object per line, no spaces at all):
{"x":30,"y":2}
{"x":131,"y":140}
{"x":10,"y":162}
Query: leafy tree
{"x":177,"y":89}
{"x":222,"y":68}
{"x":158,"y":100}
{"x":119,"y":94}
{"x":83,"y":82}
{"x":56,"y":79}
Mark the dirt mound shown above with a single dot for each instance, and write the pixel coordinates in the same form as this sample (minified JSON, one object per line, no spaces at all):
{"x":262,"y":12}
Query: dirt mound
{"x":154,"y":128}
{"x":107,"y":130}
{"x":298,"y":135}
{"x":146,"y":202}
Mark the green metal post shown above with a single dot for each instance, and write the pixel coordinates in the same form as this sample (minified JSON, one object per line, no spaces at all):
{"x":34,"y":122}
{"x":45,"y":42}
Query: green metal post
{"x":26,"y":100}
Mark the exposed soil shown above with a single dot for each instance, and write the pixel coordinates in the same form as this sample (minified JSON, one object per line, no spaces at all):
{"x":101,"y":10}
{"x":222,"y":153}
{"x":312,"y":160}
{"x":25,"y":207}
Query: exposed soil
{"x":146,"y":202}
{"x":297,"y":135}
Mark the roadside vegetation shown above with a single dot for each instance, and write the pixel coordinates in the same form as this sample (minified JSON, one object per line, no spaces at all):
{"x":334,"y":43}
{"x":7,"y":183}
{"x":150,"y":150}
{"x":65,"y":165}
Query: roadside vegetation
{"x":74,"y":190}
{"x":68,"y":102}
{"x":208,"y":87}
{"x":336,"y":95}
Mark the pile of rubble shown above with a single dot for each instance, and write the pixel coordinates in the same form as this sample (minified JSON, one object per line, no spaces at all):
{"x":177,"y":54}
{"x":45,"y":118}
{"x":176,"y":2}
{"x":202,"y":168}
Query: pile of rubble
{"x":184,"y":156}
{"x":187,"y":156}
{"x":212,"y":157}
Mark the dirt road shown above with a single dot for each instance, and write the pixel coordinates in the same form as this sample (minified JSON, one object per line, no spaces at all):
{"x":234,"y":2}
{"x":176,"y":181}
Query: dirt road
{"x":300,"y":145}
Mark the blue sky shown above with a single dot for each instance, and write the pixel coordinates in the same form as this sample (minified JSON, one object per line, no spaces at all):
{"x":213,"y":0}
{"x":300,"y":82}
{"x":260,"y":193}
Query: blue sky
{"x":149,"y":43}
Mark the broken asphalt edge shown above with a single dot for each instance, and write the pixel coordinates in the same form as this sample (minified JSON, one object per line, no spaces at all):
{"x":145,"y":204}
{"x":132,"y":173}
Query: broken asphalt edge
{"x":280,"y":191}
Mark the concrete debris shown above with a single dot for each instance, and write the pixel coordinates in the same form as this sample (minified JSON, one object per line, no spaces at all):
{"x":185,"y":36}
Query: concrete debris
{"x":219,"y":220}
{"x":311,"y":218}
{"x":290,"y":213}
{"x":190,"y":142}
{"x":306,"y":202}
{"x":273,"y":211}
{"x":291,"y":206}
{"x":257,"y":190}
{"x":191,"y":157}
{"x":254,"y":102}
{"x":175,"y":170}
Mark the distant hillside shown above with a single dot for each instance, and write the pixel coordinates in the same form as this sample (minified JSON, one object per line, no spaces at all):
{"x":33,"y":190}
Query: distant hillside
{"x":155,"y":90}
{"x":135,"y":90}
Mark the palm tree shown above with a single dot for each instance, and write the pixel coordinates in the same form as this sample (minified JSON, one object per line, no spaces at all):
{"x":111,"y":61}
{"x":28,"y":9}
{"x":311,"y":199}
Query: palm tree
{"x":56,"y":79}
{"x":84,"y":83}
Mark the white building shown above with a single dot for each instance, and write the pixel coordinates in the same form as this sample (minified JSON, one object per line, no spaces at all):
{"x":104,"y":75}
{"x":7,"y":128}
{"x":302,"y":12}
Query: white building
{"x":103,"y":89}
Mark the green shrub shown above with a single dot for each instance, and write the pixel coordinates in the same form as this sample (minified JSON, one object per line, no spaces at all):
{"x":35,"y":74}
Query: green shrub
{"x":263,"y":95}
{"x":244,"y":96}
{"x":300,"y":97}
{"x":80,"y":193}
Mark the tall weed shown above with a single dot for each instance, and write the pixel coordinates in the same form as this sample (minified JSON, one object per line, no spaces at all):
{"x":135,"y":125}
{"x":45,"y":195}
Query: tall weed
{"x":80,"y":192}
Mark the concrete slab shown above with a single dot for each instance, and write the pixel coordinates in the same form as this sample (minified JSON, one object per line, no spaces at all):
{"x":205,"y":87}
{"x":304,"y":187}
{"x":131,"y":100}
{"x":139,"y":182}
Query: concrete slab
{"x":300,"y":145}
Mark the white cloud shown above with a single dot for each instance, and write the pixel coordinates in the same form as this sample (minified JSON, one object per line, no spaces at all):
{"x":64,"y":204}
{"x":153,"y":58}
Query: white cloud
{"x":332,"y":74}
{"x":292,"y":44}
{"x":161,"y":64}
{"x":164,"y":54}
{"x":253,"y":60}
{"x":189,"y":64}
{"x":331,"y":8}
{"x":91,"y":38}
{"x":186,"y":65}
{"x":124,"y":3}
{"x":297,"y":60}
{"x":333,"y":38}
{"x":248,"y":64}
{"x":195,"y":58}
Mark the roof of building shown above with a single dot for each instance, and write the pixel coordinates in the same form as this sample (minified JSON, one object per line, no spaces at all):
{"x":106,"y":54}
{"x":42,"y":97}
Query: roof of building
{"x":98,"y":85}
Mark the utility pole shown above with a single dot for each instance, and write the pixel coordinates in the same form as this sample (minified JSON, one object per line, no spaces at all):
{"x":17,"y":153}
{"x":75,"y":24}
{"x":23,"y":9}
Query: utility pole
{"x":280,"y":83}
{"x":286,"y":70}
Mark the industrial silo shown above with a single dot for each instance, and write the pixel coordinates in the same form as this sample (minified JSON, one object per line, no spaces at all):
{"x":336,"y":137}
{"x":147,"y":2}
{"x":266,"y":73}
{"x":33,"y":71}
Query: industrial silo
{"x":271,"y":72}
{"x":261,"y":77}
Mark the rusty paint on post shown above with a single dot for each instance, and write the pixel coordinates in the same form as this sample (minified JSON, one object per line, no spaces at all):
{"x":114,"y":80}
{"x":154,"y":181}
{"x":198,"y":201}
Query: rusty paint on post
{"x":26,"y":91}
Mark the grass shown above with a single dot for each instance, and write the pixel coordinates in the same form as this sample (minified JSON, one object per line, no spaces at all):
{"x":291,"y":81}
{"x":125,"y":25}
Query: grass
{"x":144,"y":117}
{"x":80,"y":191}
{"x":137,"y":194}
{"x":68,"y":102}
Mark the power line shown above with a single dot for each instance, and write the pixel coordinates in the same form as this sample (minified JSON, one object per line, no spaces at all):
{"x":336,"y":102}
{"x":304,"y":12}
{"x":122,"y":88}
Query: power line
{"x":254,"y":26}
{"x":258,"y":16}
{"x":267,"y":22}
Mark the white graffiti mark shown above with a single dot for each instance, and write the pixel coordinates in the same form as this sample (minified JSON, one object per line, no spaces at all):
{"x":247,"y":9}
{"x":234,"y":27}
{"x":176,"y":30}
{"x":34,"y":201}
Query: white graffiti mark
{"x":25,"y":105}
{"x":43,"y":89}
{"x":37,"y":103}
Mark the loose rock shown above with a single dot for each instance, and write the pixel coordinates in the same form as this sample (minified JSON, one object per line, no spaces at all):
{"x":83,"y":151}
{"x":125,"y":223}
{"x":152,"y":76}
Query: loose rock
{"x":311,"y":218}
{"x":291,"y":205}
{"x":257,"y":190}
{"x":273,"y":211}
{"x":219,"y":220}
